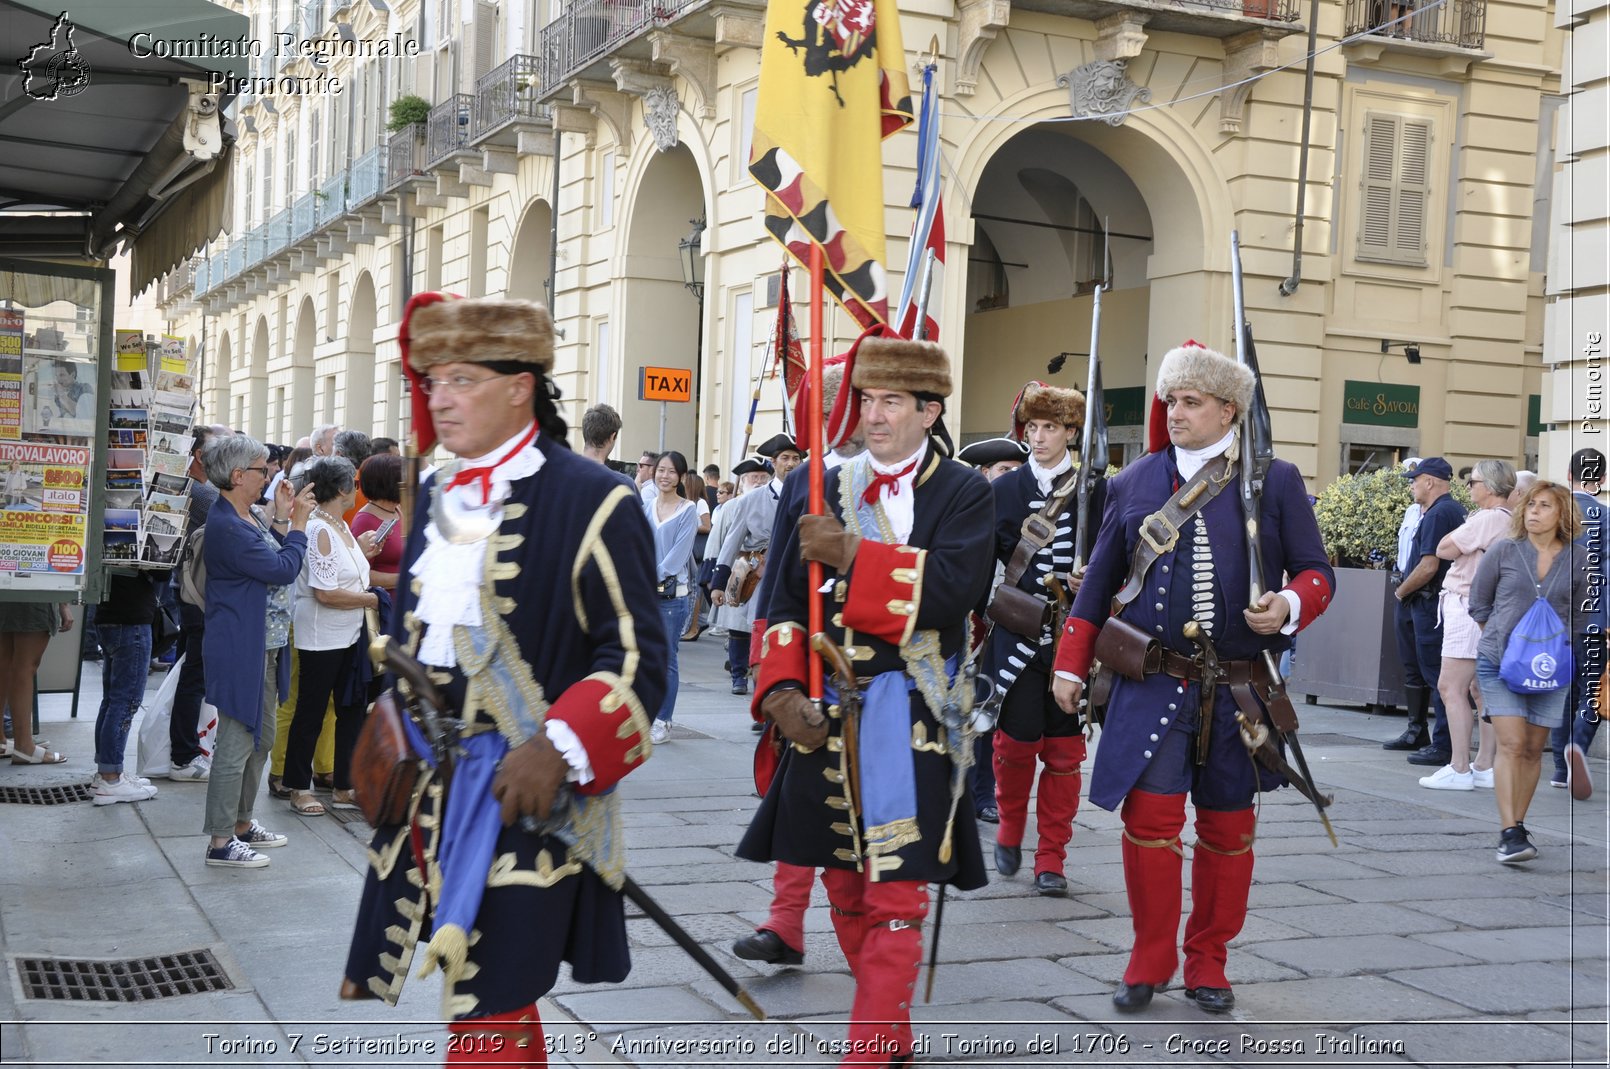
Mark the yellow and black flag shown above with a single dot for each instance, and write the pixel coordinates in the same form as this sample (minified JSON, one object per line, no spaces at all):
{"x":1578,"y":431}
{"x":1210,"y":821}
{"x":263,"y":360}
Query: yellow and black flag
{"x":833,"y":85}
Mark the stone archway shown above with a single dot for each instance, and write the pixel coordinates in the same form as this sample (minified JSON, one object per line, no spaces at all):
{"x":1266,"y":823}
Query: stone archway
{"x":358,"y":406}
{"x":217,"y":401}
{"x":660,"y":321}
{"x":532,"y":260}
{"x":300,"y":417}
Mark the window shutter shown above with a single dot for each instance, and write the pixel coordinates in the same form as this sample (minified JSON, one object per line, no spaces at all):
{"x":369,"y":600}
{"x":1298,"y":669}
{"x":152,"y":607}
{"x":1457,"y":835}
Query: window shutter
{"x":1395,"y":189}
{"x":486,"y":37}
{"x":1414,"y":191}
{"x":1380,"y":142}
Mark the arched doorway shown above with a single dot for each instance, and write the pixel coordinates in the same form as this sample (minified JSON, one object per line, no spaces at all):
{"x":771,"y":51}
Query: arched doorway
{"x":359,"y":405}
{"x":532,"y":260}
{"x":217,"y":385}
{"x":300,"y":389}
{"x":251,"y":404}
{"x":660,"y":319}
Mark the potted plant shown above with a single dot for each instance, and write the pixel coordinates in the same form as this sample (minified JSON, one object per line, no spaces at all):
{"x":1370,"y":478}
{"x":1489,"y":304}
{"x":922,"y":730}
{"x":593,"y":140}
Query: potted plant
{"x":406,"y":111}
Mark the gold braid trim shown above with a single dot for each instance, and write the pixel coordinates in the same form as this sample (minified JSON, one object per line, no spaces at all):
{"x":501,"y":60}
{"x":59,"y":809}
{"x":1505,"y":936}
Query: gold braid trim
{"x":1173,"y":844}
{"x":1201,"y":845}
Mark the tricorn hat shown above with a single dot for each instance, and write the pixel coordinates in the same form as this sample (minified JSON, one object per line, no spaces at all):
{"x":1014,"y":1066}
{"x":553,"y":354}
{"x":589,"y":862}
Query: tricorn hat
{"x":441,"y":328}
{"x":1058,"y":404}
{"x":992,"y":451}
{"x":778,"y":443}
{"x":750,"y":465}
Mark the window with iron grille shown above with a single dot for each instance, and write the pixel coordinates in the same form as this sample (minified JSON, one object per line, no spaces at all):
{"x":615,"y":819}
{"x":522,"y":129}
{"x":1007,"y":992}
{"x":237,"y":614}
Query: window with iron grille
{"x":1395,"y":184}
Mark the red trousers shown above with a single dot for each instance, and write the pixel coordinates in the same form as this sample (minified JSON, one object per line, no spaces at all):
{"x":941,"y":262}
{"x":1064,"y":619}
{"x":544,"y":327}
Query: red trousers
{"x":790,"y":895}
{"x":879,"y":926}
{"x":1057,"y":803}
{"x":513,"y":1038}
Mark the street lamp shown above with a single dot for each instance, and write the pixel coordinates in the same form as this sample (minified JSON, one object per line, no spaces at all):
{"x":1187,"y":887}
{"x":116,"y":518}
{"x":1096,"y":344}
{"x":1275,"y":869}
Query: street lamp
{"x":690,"y":249}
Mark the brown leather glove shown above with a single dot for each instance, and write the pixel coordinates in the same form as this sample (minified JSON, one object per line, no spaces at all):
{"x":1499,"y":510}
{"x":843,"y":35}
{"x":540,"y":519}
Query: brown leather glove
{"x":796,"y":717}
{"x":529,"y":778}
{"x":823,"y":538}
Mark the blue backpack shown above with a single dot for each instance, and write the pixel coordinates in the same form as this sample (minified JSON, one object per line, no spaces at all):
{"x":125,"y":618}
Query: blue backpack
{"x":1537,"y":658}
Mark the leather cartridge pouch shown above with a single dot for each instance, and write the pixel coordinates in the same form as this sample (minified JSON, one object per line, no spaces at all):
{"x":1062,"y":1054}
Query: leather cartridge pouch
{"x":1126,"y":649}
{"x":1018,"y":611}
{"x":385,"y":768}
{"x":746,"y":576}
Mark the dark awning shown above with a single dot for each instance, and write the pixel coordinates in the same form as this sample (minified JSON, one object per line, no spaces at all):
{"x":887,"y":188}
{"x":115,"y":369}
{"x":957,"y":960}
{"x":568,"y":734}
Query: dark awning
{"x":95,"y":132}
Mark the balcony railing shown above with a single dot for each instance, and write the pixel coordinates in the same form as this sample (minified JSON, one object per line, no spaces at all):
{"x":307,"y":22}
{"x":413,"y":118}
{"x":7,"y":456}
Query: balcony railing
{"x":590,"y":28}
{"x":447,"y":128}
{"x":508,"y":93}
{"x":313,"y":18}
{"x":234,"y":260}
{"x":332,"y":198}
{"x":367,"y":173}
{"x":1461,"y":23}
{"x":256,"y":244}
{"x":203,"y":280}
{"x":279,"y":232}
{"x":304,"y":214}
{"x":405,"y":154}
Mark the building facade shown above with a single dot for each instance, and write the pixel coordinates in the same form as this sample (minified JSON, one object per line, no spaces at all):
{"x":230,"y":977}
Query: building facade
{"x":593,"y":155}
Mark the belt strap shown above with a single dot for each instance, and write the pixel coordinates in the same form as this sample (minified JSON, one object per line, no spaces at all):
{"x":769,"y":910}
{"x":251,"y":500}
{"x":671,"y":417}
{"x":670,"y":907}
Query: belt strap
{"x":1160,"y":531}
{"x":1039,"y":528}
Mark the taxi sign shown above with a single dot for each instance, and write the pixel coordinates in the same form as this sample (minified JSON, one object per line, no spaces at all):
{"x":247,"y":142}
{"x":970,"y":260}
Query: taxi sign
{"x":664,"y":384}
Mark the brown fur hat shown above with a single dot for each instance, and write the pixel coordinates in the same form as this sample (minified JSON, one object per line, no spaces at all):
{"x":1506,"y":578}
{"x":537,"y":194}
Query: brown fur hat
{"x":899,"y":364}
{"x":1195,"y":367}
{"x":480,"y":330}
{"x":1059,"y":404}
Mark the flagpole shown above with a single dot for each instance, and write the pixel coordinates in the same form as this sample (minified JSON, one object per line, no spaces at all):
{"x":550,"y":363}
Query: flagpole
{"x":813,"y":445}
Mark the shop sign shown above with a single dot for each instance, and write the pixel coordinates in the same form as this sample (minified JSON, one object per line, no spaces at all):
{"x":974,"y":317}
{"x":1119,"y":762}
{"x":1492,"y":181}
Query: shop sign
{"x":1379,"y":404}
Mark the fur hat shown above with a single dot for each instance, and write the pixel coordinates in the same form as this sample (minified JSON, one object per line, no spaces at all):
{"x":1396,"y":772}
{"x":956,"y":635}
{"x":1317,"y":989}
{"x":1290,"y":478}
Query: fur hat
{"x":1059,"y":404}
{"x":899,"y":364}
{"x":1195,"y":367}
{"x":477,"y":330}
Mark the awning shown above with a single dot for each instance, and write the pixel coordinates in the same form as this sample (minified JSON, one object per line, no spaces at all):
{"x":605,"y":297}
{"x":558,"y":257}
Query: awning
{"x":104,"y":138}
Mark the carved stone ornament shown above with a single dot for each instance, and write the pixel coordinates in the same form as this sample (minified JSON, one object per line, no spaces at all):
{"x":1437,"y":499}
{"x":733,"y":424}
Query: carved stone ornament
{"x":660,"y":107}
{"x":1102,"y":90}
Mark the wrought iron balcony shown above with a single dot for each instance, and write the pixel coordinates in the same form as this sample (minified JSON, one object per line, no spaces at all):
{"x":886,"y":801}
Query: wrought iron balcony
{"x":332,"y":197}
{"x":405,"y":154}
{"x":447,"y":128}
{"x":1203,"y":18}
{"x":589,"y":30}
{"x":368,"y":173}
{"x":304,"y":216}
{"x":1460,"y":23}
{"x":508,"y":94}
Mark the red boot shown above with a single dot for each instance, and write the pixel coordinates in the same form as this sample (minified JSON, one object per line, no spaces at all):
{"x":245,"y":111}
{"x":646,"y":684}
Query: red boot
{"x":1014,"y":777}
{"x":848,"y":912}
{"x":886,"y":972}
{"x":791,"y":895}
{"x":1221,"y":877}
{"x":513,"y":1038}
{"x":1152,"y":863}
{"x":1058,"y":801}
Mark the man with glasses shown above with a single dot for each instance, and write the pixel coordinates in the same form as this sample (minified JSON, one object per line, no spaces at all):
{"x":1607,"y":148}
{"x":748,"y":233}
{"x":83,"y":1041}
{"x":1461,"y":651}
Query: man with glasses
{"x":645,"y":475}
{"x":528,"y":590}
{"x":1440,"y":516}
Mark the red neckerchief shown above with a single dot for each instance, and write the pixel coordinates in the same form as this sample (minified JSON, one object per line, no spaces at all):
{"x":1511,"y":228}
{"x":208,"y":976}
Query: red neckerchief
{"x":483,"y":475}
{"x":880,"y":480}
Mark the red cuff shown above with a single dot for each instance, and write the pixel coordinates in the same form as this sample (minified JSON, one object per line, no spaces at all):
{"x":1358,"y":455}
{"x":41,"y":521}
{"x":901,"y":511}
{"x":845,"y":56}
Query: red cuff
{"x":885,"y":591}
{"x":1313,"y":594}
{"x":602,"y":721}
{"x":756,"y":633}
{"x":1077,"y":648}
{"x":784,"y":658}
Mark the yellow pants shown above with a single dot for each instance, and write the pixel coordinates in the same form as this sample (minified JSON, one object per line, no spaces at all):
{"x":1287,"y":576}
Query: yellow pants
{"x":323,"y":753}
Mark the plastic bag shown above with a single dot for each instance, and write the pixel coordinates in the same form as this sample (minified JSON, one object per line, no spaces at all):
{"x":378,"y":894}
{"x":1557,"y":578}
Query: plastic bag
{"x":156,"y":749}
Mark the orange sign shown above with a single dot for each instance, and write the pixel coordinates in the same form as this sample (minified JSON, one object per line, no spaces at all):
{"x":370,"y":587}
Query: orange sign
{"x":664,"y":384}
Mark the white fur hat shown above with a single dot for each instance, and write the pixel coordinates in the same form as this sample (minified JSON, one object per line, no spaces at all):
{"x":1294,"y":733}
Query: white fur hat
{"x":1195,"y":367}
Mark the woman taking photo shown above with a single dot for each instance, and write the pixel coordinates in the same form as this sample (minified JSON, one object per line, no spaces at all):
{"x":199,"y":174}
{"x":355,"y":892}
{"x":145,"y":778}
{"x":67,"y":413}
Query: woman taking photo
{"x":674,"y":520}
{"x":1537,"y":561}
{"x":331,"y":594}
{"x":380,"y":479}
{"x":1490,"y":484}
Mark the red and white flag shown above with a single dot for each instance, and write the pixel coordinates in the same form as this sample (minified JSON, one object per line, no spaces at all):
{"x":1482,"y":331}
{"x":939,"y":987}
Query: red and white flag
{"x":928,"y":229}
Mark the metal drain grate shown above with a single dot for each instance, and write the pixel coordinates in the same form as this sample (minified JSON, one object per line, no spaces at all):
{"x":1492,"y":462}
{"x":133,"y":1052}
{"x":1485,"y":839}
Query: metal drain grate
{"x":348,"y":816}
{"x":61,"y":795}
{"x":189,"y":972}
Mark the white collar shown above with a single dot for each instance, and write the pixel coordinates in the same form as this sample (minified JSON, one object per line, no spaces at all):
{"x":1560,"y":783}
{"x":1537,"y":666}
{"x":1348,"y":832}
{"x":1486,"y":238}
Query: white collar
{"x":505,"y":470}
{"x":1190,"y":461}
{"x":890,"y":469}
{"x":498,"y":450}
{"x":1044,"y":475}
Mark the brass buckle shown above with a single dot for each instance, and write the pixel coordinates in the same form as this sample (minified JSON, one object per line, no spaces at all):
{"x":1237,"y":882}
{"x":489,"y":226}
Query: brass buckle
{"x":1162,"y":545}
{"x":1038,"y":528}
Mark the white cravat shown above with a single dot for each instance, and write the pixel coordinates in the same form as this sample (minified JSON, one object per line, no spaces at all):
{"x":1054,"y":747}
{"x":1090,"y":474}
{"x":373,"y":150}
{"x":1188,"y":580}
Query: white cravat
{"x":1190,"y":461}
{"x":899,"y":500}
{"x":1047,"y":477}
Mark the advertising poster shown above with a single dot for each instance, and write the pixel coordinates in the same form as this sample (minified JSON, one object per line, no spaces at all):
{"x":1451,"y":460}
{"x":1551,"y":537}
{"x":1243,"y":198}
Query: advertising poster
{"x":58,"y":396}
{"x":130,"y":350}
{"x":173,"y":356}
{"x":42,"y":521}
{"x":11,"y":330}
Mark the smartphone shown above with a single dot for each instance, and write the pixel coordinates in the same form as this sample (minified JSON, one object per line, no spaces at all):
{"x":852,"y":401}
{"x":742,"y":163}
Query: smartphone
{"x":384,"y":529}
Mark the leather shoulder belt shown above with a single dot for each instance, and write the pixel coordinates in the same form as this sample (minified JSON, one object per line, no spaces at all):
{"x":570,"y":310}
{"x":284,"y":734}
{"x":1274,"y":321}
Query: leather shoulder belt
{"x":1160,"y":532}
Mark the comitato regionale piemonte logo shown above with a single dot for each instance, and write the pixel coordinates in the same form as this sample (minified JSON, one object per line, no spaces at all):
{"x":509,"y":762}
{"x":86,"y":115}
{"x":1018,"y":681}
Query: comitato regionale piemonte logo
{"x":55,"y":69}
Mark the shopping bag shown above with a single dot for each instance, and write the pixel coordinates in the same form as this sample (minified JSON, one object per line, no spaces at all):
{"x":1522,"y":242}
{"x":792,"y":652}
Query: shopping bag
{"x":156,"y":753}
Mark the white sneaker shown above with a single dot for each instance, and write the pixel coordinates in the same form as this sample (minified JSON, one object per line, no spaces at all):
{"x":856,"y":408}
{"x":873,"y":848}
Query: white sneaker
{"x":1482,"y":777}
{"x":660,"y":732}
{"x":196,"y":771}
{"x":122,"y":789}
{"x":1446,"y":779}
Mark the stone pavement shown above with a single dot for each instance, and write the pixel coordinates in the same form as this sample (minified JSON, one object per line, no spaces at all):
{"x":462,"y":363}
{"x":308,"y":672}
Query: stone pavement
{"x":1407,"y":944}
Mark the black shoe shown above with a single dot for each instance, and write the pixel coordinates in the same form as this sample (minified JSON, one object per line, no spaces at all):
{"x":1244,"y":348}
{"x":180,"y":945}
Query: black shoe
{"x":1051,"y":884}
{"x":989,"y":815}
{"x":767,"y":946}
{"x":740,"y":688}
{"x":1430,"y":756}
{"x":1515,"y":846}
{"x":1008,"y":859}
{"x":1132,"y":998}
{"x":693,"y":637}
{"x":1212,"y":999}
{"x":1414,"y":736}
{"x":758,"y":727}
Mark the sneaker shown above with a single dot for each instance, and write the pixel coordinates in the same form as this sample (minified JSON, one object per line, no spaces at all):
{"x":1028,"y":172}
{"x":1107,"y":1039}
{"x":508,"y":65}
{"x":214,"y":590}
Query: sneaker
{"x":1558,"y":781}
{"x":1481,"y":777}
{"x":1446,"y":779}
{"x":260,"y":837}
{"x":659,"y":733}
{"x":1576,"y":763}
{"x":196,"y":771}
{"x":122,"y":789}
{"x":1515,"y":846}
{"x":236,"y":855}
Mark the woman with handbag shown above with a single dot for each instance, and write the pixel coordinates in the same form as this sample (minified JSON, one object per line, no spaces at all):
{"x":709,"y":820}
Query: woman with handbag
{"x":674,"y":520}
{"x":1524,"y":657}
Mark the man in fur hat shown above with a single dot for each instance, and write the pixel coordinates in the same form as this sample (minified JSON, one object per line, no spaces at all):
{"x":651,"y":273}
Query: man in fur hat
{"x":1032,"y":729}
{"x":1163,"y":737}
{"x":905,"y":548}
{"x":529,"y":592}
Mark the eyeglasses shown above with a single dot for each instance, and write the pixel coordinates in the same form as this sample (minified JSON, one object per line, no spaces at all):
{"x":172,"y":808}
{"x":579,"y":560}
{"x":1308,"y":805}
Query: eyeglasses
{"x":645,"y":463}
{"x":262,"y":469}
{"x":1474,"y":482}
{"x":453,"y":384}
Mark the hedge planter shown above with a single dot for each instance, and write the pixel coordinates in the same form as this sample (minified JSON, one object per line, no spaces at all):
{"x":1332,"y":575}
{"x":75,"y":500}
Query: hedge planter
{"x":1350,"y":653}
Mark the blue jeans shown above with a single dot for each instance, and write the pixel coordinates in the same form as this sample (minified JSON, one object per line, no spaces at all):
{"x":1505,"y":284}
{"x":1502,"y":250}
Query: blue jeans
{"x":674,"y":611}
{"x":126,"y":652}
